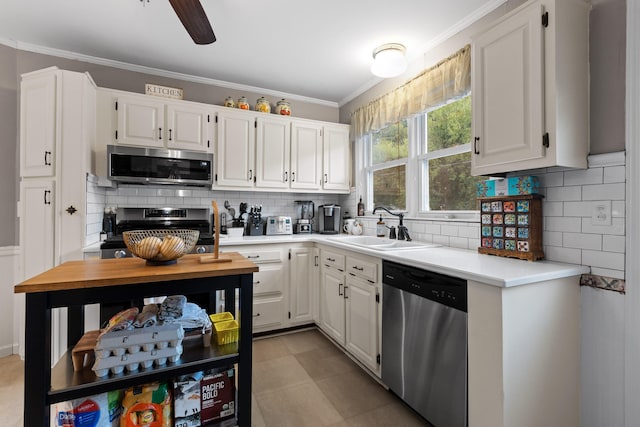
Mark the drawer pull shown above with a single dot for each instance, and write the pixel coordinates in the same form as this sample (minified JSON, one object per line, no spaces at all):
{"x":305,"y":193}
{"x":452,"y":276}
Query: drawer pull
{"x":331,"y":259}
{"x":253,"y":256}
{"x":355,"y":267}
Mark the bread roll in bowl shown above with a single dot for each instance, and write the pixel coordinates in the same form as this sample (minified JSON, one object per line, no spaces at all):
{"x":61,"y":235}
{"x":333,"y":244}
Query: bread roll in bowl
{"x":148,"y":247}
{"x":172,"y":247}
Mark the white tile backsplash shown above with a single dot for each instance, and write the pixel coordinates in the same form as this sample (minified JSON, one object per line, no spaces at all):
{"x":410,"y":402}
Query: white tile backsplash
{"x":568,"y":233}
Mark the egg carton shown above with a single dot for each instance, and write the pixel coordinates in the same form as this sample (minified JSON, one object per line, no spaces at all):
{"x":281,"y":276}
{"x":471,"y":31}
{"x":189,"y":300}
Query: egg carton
{"x":137,"y":348}
{"x":134,"y":339}
{"x":134,"y":361}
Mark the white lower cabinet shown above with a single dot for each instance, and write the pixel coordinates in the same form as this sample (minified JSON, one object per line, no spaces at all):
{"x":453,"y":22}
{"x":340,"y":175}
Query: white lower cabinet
{"x":284,"y":289}
{"x":332,"y":304}
{"x":350,"y":304}
{"x":301,"y":285}
{"x":362,"y":322}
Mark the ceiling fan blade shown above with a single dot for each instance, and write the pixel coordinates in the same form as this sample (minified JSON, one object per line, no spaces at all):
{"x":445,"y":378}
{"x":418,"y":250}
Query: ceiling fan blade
{"x":194,"y":19}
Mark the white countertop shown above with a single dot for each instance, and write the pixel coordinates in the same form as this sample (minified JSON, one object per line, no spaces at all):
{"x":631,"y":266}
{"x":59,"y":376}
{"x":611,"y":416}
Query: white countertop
{"x":466,"y":264}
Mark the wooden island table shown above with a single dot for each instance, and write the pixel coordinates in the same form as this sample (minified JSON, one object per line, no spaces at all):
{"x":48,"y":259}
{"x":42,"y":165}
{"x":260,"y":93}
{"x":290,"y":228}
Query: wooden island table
{"x":77,"y":283}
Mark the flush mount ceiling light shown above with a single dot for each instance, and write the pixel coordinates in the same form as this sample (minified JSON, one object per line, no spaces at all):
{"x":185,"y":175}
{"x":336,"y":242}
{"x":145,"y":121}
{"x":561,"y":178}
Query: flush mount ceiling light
{"x":389,"y":60}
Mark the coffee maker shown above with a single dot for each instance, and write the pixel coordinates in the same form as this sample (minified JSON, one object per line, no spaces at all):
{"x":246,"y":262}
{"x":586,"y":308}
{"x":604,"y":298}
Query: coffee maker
{"x":329,"y":219}
{"x":305,"y":211}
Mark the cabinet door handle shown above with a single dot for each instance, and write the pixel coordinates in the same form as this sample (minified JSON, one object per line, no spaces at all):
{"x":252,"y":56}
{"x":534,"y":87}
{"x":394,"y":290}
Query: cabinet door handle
{"x":315,"y":262}
{"x":256,"y":315}
{"x":286,"y":176}
{"x":325,"y":178}
{"x":159,"y":133}
{"x":47,"y":158}
{"x":475,"y":145}
{"x":345,"y":292}
{"x":47,"y":197}
{"x":293,"y":177}
{"x":257,"y":282}
{"x":169,"y":134}
{"x":340,"y":285}
{"x":250,"y":174}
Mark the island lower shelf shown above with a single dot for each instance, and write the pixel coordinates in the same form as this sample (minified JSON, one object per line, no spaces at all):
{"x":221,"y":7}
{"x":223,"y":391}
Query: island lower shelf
{"x":67,"y":384}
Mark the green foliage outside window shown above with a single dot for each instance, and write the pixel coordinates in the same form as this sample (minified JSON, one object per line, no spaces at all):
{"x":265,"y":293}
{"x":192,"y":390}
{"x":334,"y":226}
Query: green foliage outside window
{"x":451,"y":186}
{"x":390,"y":143}
{"x":389,"y":187}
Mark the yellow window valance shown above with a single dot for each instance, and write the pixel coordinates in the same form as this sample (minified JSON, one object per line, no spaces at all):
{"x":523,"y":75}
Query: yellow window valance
{"x":449,"y":79}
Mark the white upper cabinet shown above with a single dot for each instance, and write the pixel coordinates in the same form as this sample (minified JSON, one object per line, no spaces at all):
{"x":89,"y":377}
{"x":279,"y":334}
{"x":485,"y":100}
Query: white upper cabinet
{"x":235,"y":157}
{"x":38,"y":124}
{"x":306,"y":155}
{"x":149,"y":121}
{"x":189,"y":126}
{"x":140,"y":121}
{"x":273,"y":152}
{"x":530,"y":89}
{"x":337,"y":160}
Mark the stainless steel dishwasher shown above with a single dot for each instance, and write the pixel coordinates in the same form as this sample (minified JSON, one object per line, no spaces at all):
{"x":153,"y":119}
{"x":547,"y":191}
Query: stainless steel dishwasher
{"x":424,"y":342}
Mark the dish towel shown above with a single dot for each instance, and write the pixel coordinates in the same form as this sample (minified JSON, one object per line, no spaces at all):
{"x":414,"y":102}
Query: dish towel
{"x":171,"y":308}
{"x":148,"y":316}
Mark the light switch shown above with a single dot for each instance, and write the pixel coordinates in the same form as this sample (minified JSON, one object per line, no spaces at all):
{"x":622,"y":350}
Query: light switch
{"x":601,"y":213}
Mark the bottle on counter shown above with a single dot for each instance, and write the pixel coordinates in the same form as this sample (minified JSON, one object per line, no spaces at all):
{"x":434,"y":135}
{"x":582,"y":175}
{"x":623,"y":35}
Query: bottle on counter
{"x":360,"y":207}
{"x":380,"y":228}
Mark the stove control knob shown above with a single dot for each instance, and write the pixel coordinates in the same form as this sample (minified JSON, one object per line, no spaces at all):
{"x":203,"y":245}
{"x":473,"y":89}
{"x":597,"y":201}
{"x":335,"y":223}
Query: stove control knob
{"x":119,"y":254}
{"x":201,"y":250}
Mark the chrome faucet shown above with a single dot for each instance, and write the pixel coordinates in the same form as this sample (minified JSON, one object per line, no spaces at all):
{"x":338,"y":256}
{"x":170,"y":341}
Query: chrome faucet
{"x":403,"y":232}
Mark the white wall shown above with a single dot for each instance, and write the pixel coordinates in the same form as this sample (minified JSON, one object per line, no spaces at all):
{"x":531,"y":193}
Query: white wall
{"x":9,"y":333}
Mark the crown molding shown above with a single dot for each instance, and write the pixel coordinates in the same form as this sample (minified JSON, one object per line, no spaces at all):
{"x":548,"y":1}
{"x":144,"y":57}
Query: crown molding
{"x":159,"y":72}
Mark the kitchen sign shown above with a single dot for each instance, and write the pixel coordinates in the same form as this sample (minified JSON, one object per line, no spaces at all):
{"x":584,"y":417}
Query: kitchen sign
{"x":164,"y":91}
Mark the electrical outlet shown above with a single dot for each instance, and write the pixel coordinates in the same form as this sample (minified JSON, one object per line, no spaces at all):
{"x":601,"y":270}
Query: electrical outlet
{"x":601,"y":213}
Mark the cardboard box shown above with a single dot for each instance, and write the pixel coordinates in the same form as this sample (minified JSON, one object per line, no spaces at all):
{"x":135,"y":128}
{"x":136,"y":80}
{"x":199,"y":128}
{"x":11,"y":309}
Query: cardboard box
{"x":218,"y":393}
{"x":513,"y":186}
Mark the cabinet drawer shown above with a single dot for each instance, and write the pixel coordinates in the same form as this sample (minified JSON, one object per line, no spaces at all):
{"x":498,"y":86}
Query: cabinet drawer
{"x":269,"y":280}
{"x":333,"y":259}
{"x":268,"y":312}
{"x":260,"y":257}
{"x":363,"y":269}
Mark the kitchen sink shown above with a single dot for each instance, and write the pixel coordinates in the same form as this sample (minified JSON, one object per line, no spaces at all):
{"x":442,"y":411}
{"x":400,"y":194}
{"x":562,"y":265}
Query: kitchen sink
{"x":380,"y":244}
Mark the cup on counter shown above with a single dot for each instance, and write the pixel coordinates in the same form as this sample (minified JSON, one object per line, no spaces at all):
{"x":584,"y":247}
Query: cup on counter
{"x":348,"y":225}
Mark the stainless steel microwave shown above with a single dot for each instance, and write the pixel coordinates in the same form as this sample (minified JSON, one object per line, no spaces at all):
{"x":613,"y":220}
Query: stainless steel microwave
{"x":159,"y":166}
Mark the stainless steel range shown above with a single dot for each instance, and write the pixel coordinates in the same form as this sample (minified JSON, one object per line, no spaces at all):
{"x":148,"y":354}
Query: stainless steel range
{"x":158,"y":218}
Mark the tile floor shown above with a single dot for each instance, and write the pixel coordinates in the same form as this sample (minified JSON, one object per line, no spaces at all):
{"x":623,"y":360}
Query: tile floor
{"x":304,"y":380}
{"x":299,"y":380}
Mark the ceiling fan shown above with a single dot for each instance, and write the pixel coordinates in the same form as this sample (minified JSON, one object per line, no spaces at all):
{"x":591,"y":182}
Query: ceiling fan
{"x":194,"y":19}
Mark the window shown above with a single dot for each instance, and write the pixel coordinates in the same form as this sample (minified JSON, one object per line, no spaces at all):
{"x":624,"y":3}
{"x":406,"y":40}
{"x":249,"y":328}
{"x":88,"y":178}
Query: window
{"x":445,"y":159}
{"x":387,"y":166}
{"x":434,"y":146}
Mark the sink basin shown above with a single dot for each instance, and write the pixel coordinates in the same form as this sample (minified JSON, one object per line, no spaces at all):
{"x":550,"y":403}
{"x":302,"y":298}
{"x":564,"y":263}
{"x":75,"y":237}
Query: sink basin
{"x":380,"y":244}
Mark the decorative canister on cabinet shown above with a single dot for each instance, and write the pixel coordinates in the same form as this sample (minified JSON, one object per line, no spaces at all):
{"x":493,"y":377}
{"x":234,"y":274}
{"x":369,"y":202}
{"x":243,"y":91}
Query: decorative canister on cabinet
{"x":262,"y":105}
{"x":229,"y":102}
{"x":283,"y":108}
{"x":243,"y":104}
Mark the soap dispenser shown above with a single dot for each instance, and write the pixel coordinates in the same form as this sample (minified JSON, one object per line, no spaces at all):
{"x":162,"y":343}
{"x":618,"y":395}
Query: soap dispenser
{"x":380,"y":228}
